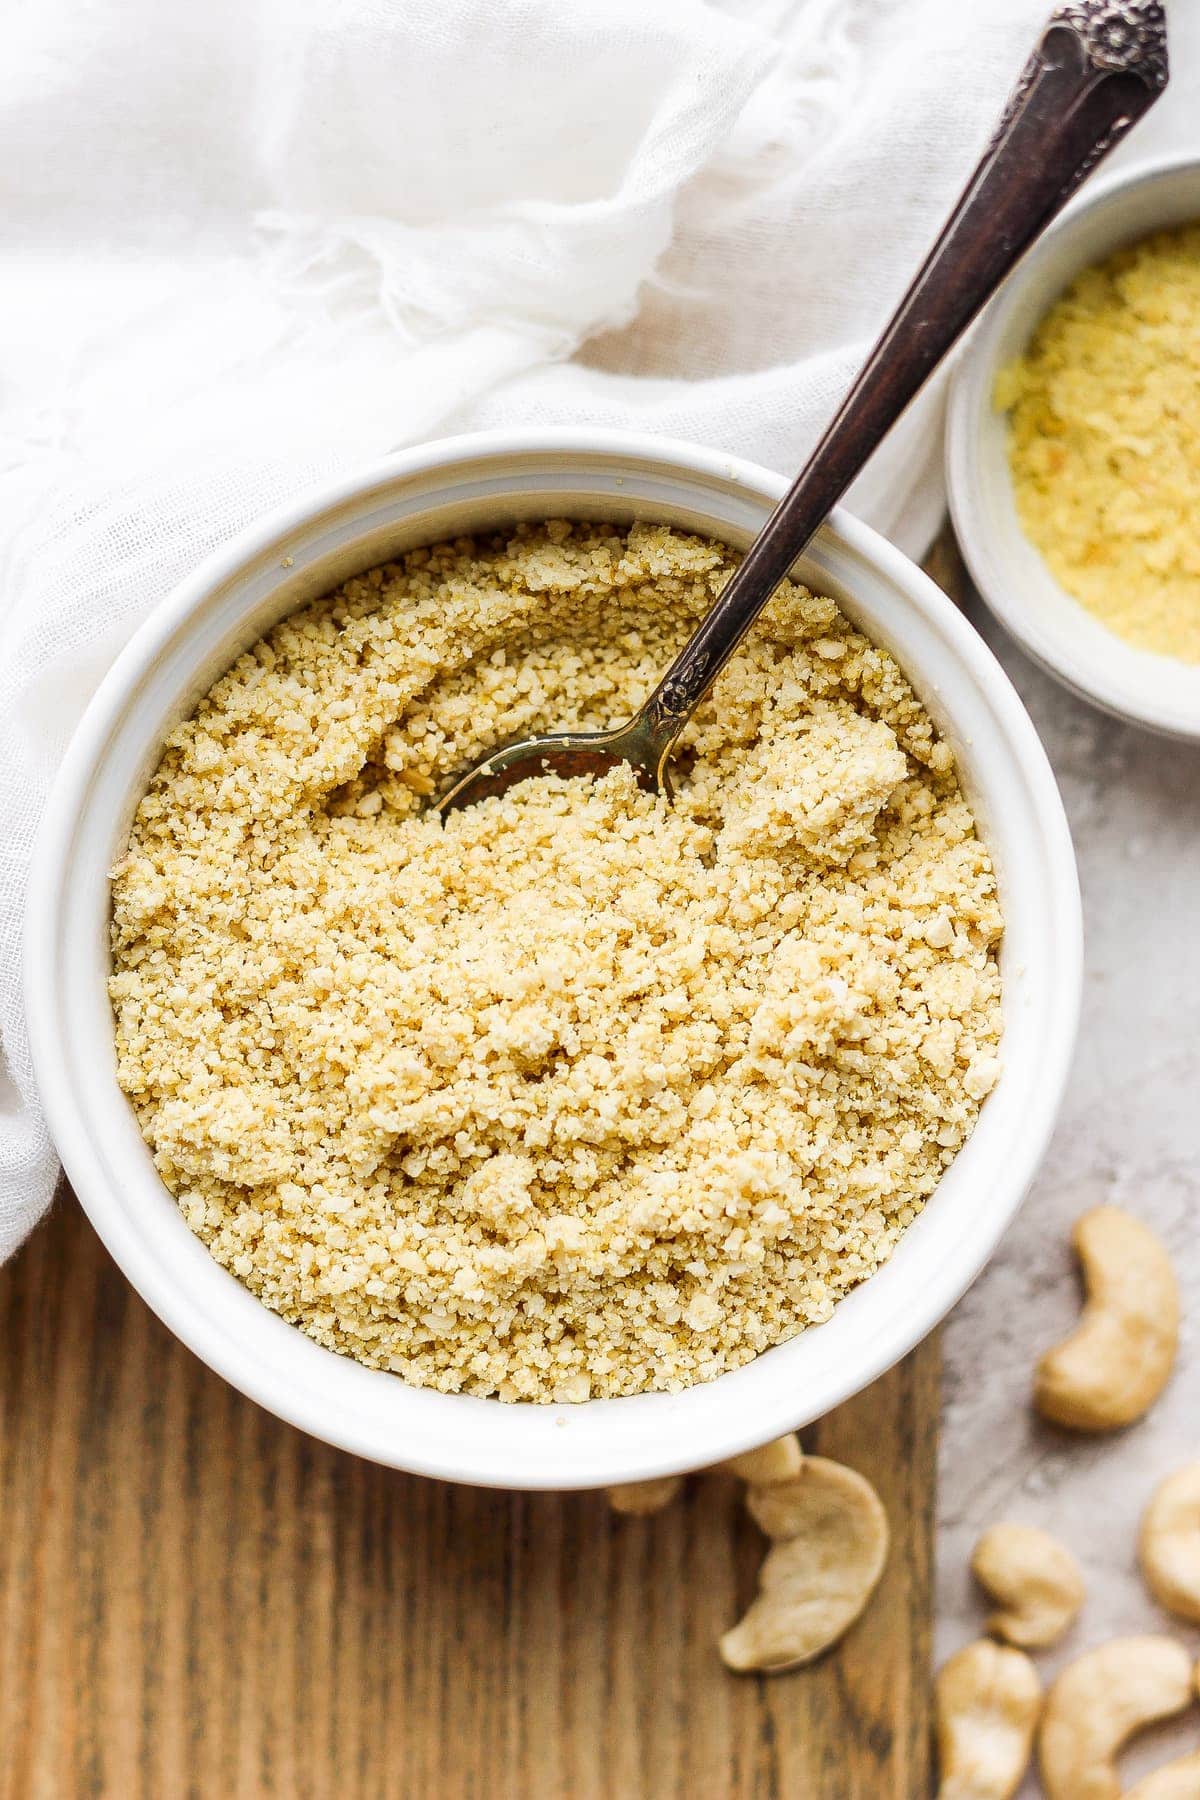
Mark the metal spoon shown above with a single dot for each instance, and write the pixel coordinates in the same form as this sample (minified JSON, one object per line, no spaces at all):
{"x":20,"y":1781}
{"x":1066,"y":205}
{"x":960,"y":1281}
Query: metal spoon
{"x":1099,"y":66}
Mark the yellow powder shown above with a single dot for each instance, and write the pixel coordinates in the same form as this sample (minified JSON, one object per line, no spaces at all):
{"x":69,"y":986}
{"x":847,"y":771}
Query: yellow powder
{"x":579,"y":1092}
{"x":1104,"y":441}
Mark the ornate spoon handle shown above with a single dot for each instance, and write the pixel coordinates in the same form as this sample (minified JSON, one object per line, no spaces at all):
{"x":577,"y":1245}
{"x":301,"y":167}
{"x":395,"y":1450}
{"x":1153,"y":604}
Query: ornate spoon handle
{"x":1099,"y":66}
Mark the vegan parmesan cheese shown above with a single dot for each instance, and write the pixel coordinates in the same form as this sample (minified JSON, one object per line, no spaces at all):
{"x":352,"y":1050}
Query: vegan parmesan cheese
{"x":1104,"y":441}
{"x":579,"y":1092}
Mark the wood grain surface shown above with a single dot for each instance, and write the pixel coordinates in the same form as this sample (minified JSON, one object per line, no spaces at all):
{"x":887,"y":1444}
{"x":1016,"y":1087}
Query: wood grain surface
{"x":197,"y":1600}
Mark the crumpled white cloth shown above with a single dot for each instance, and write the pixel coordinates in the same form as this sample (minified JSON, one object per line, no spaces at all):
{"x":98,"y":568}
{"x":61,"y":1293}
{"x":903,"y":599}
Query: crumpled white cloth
{"x":249,"y":242}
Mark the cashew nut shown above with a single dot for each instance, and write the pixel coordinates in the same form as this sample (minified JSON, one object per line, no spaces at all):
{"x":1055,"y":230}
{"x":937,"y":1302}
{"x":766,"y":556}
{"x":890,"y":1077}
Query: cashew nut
{"x":832,"y":1544}
{"x":817,"y":1502}
{"x":1116,"y":1362}
{"x":638,"y":1497}
{"x":1169,"y":1543}
{"x":777,"y":1461}
{"x":1174,"y":1781}
{"x":986,"y":1704}
{"x":1098,"y":1702}
{"x":1035,"y":1579}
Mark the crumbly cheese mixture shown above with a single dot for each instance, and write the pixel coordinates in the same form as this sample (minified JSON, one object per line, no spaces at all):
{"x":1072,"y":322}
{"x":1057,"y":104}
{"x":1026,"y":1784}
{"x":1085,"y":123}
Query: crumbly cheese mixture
{"x":1104,"y":441}
{"x":580,"y":1092}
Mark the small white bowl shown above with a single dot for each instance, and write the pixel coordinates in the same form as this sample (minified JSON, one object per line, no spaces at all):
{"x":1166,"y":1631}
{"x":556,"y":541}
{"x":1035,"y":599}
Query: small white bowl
{"x":1155,"y":691}
{"x":424,"y":495}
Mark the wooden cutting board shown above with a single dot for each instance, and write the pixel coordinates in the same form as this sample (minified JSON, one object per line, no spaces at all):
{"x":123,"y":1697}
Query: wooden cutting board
{"x":199,"y":1601}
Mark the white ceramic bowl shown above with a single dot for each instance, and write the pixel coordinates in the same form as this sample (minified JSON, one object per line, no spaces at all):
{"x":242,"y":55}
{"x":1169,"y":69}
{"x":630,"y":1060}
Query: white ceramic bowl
{"x":1154,"y":691}
{"x":419,"y":497}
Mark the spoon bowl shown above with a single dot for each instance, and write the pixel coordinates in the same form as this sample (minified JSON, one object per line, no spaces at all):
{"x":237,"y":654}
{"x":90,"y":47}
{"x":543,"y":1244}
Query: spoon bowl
{"x":565,"y":753}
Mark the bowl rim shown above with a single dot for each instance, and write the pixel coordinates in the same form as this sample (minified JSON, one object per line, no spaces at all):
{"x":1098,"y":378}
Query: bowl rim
{"x":1094,"y":678}
{"x":216,"y":1345}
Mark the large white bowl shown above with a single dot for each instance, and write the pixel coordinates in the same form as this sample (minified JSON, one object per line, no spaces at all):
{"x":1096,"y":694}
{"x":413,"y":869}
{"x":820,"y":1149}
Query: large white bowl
{"x":439,"y":491}
{"x":1158,"y":692}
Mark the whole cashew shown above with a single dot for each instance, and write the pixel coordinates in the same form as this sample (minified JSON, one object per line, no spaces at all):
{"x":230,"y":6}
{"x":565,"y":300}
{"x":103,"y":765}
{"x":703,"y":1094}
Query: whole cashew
{"x":823,"y":1498}
{"x":832,"y":1543}
{"x":1116,"y":1362}
{"x":1097,"y":1704}
{"x":986,"y":1704}
{"x":1174,"y":1781}
{"x":640,"y":1497}
{"x":1169,"y":1544}
{"x":777,"y":1461}
{"x":1035,"y":1579}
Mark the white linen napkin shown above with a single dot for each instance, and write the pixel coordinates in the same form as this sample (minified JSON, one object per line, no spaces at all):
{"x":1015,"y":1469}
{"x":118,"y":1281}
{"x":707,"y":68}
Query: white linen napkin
{"x":251,"y":242}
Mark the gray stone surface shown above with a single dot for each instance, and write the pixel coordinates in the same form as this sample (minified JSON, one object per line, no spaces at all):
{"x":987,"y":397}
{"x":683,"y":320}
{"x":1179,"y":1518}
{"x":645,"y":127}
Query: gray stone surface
{"x":1129,"y":1133}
